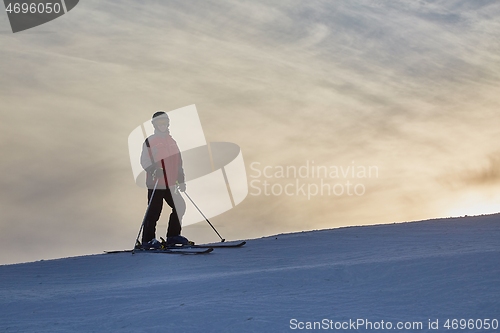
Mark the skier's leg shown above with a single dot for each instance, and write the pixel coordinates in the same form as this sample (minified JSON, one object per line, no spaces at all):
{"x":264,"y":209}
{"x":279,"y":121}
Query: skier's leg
{"x":178,"y":205}
{"x":153,"y":215}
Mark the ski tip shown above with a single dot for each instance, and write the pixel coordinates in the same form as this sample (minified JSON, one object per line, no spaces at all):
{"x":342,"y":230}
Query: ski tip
{"x":191,"y":252}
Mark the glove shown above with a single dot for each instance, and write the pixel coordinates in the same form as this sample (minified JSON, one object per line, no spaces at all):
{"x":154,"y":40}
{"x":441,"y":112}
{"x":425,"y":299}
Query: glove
{"x":182,"y":187}
{"x":157,"y":173}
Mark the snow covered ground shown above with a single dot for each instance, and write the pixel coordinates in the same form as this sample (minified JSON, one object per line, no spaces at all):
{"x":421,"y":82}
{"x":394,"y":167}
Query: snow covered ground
{"x":386,"y":276}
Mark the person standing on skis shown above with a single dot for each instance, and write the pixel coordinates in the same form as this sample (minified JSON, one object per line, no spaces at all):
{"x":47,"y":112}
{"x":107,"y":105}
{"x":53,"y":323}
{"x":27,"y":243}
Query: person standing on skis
{"x":161,"y":159}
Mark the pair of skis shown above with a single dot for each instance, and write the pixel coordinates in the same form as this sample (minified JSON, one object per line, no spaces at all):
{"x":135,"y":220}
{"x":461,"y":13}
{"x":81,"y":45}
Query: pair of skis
{"x":186,"y":249}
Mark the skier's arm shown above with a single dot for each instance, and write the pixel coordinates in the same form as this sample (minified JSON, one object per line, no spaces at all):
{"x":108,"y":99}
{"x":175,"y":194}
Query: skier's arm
{"x":147,"y":161}
{"x":181,"y":177}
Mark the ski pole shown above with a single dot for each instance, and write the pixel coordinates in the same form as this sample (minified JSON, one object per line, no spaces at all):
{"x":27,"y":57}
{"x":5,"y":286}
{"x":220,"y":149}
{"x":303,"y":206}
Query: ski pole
{"x":221,"y":239}
{"x":145,"y":214}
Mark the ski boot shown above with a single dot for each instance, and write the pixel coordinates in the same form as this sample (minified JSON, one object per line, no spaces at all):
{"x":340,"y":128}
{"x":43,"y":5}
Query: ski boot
{"x":153,"y":244}
{"x":175,"y":241}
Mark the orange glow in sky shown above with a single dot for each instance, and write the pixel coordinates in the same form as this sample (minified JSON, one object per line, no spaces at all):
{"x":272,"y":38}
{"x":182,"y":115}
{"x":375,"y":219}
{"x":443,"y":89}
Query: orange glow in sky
{"x":475,"y":203}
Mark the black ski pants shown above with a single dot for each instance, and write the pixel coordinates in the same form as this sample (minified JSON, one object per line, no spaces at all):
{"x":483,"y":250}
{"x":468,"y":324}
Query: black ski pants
{"x":153,"y":215}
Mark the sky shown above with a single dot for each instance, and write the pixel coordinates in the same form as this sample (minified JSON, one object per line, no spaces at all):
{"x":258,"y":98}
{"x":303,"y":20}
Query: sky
{"x":409,"y":88}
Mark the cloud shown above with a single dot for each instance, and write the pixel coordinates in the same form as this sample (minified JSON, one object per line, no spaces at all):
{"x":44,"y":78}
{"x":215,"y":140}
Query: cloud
{"x":486,"y":173}
{"x":408,"y":86}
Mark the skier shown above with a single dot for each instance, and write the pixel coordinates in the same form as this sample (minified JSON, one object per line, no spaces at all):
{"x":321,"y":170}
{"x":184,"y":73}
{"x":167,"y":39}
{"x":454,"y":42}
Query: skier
{"x":162,"y":162}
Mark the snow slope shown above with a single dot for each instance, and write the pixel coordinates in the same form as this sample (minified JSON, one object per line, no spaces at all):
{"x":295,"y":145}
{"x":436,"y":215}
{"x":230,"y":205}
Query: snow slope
{"x":409,"y":272}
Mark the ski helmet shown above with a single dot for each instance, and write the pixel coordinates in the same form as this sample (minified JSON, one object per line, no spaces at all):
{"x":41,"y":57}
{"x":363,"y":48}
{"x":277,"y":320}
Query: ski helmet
{"x":159,"y":114}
